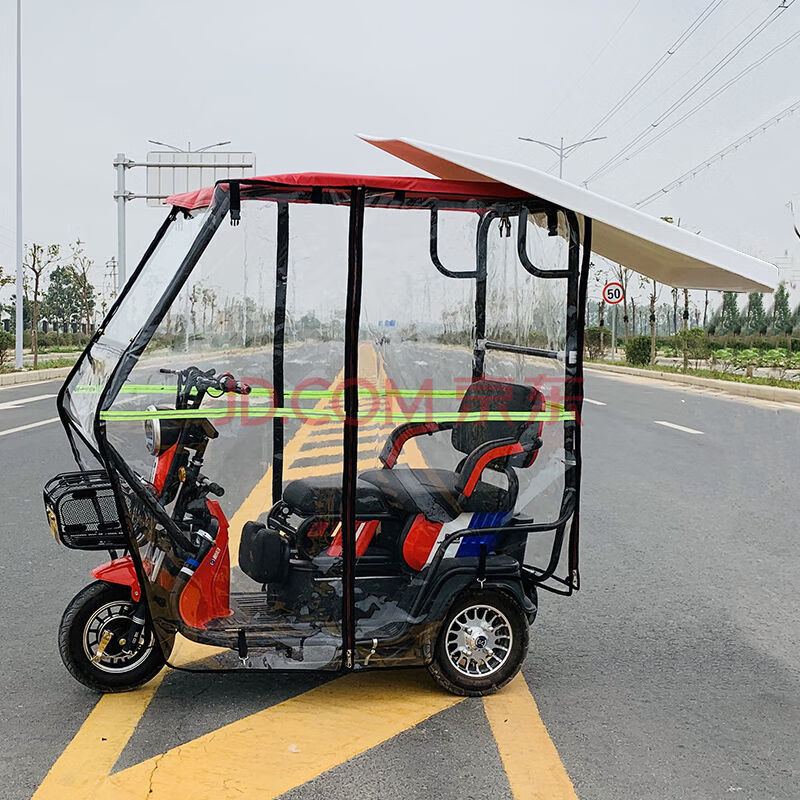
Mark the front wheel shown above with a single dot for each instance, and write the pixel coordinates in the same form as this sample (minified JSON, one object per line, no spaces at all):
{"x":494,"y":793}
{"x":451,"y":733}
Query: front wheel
{"x":482,"y":643}
{"x":101,"y":613}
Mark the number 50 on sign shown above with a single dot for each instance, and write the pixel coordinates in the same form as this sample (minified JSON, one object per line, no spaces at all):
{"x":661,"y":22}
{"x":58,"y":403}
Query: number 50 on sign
{"x":613,"y":293}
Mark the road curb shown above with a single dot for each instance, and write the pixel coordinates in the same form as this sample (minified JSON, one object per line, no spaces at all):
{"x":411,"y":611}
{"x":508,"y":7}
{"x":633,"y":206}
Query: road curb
{"x":33,"y":376}
{"x":776,"y":394}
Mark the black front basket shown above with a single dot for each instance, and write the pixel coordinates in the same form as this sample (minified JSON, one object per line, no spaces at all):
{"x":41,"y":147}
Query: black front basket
{"x":82,"y":511}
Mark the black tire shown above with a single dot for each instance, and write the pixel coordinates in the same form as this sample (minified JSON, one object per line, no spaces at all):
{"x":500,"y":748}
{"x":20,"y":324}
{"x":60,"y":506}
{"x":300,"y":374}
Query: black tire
{"x":116,"y":672}
{"x":508,"y":649}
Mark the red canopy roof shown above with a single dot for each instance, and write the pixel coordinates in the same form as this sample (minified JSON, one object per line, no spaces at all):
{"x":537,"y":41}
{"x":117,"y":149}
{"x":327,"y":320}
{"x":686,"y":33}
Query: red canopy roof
{"x":428,"y":187}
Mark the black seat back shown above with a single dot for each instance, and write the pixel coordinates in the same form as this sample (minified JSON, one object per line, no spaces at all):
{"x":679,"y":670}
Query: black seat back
{"x":487,"y":395}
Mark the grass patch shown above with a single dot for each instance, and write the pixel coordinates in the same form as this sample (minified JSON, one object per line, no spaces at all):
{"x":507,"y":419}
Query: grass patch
{"x":52,"y":363}
{"x":710,"y":373}
{"x":73,"y":348}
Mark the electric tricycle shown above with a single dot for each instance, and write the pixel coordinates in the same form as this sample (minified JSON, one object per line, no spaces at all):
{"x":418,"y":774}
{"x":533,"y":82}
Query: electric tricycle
{"x":283,"y":485}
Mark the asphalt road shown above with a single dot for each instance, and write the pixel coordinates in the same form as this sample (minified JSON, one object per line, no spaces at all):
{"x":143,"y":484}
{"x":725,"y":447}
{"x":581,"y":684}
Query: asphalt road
{"x":673,"y":672}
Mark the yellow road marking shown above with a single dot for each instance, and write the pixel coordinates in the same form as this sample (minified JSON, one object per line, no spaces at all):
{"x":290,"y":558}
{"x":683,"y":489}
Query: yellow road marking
{"x":333,"y":450}
{"x":328,"y":433}
{"x":274,"y":750}
{"x":95,"y":748}
{"x":91,"y":754}
{"x":530,"y":759}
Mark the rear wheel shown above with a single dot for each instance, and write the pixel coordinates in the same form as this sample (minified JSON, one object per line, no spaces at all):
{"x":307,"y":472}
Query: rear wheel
{"x":101,"y":613}
{"x":482,"y":643}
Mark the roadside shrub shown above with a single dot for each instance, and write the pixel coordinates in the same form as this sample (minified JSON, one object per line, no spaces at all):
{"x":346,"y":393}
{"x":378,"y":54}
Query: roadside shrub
{"x":6,"y":346}
{"x":592,"y":342}
{"x":637,"y":351}
{"x":697,"y":343}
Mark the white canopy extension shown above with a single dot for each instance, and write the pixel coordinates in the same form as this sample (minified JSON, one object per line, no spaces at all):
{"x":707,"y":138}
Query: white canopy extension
{"x":669,"y":254}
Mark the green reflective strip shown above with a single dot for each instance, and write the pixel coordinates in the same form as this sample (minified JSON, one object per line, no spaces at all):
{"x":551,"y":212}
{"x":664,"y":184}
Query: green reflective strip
{"x":307,"y":394}
{"x":313,"y":413}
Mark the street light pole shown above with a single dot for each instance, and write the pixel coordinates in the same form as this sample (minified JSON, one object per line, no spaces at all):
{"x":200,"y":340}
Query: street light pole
{"x":19,"y":318}
{"x":560,"y":150}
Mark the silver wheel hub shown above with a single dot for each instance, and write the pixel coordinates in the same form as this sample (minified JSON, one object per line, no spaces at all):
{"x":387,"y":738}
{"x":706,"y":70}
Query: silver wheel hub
{"x":114,"y":618}
{"x":478,"y":641}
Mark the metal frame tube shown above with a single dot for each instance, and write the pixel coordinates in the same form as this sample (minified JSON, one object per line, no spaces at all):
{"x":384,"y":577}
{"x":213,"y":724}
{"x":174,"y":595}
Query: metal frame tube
{"x":281,"y":279}
{"x":522,"y":251}
{"x":434,"y":250}
{"x":355,"y":263}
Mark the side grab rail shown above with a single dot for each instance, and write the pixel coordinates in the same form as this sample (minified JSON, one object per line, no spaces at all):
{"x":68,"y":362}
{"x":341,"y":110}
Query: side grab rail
{"x":522,"y":250}
{"x":434,"y":247}
{"x":528,"y":351}
{"x":558,"y":526}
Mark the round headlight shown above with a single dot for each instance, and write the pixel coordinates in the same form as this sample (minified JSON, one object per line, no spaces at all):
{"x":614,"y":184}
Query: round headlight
{"x":152,"y":434}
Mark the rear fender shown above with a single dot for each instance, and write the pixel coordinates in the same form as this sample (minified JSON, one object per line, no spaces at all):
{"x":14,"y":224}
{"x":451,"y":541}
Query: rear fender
{"x":453,"y":585}
{"x":121,"y":572}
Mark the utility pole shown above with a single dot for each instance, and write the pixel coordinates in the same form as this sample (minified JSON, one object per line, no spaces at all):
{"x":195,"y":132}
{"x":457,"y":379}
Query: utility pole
{"x":20,"y":333}
{"x":560,"y":150}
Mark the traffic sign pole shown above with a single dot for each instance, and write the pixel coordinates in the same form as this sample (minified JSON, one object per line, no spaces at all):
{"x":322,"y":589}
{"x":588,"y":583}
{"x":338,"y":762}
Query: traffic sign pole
{"x":613,"y":333}
{"x":613,"y":294}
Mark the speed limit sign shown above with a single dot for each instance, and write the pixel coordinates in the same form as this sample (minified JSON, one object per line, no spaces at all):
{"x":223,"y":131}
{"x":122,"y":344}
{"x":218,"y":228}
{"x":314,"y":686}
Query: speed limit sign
{"x":613,"y":293}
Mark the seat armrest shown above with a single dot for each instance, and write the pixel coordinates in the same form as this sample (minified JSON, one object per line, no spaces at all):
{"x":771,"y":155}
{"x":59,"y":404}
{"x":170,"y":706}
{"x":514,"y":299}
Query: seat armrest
{"x":402,"y":433}
{"x":475,"y":463}
{"x":531,"y":442}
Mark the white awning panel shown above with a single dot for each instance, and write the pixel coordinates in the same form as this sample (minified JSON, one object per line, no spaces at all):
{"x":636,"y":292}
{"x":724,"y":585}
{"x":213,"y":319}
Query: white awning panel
{"x":669,"y":254}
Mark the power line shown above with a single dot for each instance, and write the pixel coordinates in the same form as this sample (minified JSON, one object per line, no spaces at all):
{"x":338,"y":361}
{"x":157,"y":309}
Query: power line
{"x":605,"y":47}
{"x":654,"y":100}
{"x":692,"y":90}
{"x":671,"y":50}
{"x":689,"y":174}
{"x":703,"y":103}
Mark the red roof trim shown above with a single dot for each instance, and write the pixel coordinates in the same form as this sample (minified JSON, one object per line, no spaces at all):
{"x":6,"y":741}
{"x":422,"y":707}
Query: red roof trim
{"x":433,"y":187}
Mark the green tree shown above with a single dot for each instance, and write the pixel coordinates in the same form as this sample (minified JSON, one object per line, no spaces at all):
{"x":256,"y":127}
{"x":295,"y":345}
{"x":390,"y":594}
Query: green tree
{"x":755,"y":320}
{"x":729,"y":316}
{"x":5,"y":280}
{"x":79,"y":269}
{"x":6,"y":346}
{"x":26,"y":313}
{"x":62,"y":300}
{"x":39,"y":260}
{"x":781,"y":313}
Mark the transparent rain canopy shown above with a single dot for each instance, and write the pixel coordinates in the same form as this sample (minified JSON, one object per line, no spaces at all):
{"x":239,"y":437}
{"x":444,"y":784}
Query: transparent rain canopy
{"x":458,"y":431}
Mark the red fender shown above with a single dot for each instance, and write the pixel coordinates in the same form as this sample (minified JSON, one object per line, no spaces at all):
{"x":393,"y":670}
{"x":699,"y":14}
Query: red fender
{"x":122,"y":572}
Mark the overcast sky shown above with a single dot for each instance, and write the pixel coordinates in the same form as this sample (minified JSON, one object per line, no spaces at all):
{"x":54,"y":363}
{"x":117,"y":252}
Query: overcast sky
{"x":295,"y":81}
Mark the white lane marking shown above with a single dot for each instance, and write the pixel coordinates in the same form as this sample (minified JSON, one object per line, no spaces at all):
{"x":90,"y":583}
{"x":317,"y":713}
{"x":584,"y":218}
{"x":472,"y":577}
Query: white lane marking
{"x":28,"y":427}
{"x":678,"y":427}
{"x":593,"y":402}
{"x":24,"y":401}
